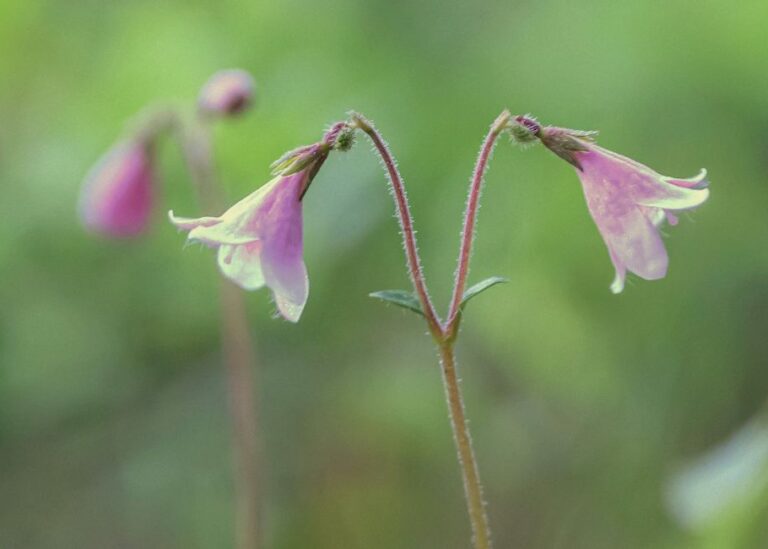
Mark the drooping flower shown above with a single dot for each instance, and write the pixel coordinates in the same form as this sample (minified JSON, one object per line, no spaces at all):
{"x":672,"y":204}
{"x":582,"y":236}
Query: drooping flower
{"x":117,"y":195}
{"x":628,"y":201}
{"x":259,"y":239}
{"x":227,"y":93}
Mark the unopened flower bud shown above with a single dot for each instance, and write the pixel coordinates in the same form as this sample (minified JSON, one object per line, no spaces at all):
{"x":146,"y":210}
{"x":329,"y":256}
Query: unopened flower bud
{"x":117,"y":195}
{"x":227,"y":93}
{"x":345,"y":140}
{"x":524,"y":129}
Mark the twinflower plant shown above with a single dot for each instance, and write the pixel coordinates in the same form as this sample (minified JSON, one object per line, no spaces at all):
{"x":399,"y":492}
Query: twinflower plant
{"x":258,"y":242}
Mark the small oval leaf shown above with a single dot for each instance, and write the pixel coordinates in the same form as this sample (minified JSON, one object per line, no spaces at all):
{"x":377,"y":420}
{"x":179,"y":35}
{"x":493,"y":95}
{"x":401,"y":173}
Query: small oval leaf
{"x":481,"y":287}
{"x":401,"y":298}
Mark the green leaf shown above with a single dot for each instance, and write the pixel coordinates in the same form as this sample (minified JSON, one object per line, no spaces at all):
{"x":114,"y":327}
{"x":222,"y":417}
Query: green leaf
{"x":401,"y":298}
{"x":481,"y":287}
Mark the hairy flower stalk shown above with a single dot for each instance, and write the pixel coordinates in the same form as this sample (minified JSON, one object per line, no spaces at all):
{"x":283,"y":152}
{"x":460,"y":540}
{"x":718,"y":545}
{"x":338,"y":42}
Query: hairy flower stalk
{"x":406,"y":224}
{"x":444,"y":334}
{"x":470,"y":217}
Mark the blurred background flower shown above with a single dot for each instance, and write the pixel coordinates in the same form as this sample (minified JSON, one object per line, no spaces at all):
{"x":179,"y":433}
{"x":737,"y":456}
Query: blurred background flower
{"x":116,"y":198}
{"x":227,"y":93}
{"x":113,"y":413}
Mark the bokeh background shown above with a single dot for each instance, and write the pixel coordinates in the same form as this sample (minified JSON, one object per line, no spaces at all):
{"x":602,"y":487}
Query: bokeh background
{"x":585,"y":407}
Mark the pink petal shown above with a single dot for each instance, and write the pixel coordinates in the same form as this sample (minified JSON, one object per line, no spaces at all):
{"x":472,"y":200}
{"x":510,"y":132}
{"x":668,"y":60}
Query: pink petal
{"x":644,"y":185}
{"x":670,"y":197}
{"x":287,"y":277}
{"x":240,"y":224}
{"x":281,"y":258}
{"x":637,"y":245}
{"x":698,"y":182}
{"x":617,"y":286}
{"x":242,"y":265}
{"x":189,"y":223}
{"x":627,"y":228}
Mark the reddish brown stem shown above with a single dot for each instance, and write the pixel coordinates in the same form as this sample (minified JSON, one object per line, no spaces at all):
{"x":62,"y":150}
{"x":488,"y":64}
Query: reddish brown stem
{"x":406,"y":226}
{"x":470,"y":219}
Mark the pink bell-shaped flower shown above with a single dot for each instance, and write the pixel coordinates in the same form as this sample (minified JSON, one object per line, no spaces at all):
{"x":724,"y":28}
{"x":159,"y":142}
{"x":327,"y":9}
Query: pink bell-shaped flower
{"x":259,"y":239}
{"x":117,"y":195}
{"x":628,"y":201}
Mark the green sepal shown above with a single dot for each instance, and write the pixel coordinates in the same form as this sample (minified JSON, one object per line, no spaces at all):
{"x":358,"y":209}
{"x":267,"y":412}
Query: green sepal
{"x":401,"y":298}
{"x":296,"y":160}
{"x":565,"y":143}
{"x":480,"y":287}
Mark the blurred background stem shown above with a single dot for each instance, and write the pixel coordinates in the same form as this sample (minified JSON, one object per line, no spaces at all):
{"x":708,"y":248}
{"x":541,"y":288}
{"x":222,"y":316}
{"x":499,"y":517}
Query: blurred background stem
{"x":239,"y":357}
{"x":237,"y":349}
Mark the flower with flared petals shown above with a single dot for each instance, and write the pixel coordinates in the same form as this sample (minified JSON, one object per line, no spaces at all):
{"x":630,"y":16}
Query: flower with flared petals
{"x":227,"y":93}
{"x":628,"y":201}
{"x":117,"y":195}
{"x":259,"y":239}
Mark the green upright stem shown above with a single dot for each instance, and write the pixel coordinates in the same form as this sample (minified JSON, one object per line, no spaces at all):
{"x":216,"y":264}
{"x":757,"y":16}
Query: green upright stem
{"x":473,"y":489}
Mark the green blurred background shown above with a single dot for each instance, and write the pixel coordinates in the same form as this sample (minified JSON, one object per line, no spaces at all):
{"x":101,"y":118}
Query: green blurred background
{"x":113,"y":412}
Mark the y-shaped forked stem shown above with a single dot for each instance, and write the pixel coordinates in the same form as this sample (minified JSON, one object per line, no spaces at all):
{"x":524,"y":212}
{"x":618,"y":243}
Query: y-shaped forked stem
{"x":444,"y":333}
